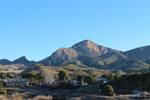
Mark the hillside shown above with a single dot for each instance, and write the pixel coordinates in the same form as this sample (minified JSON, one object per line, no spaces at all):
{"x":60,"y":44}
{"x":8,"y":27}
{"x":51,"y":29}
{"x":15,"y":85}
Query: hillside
{"x":139,"y":53}
{"x":128,"y":65}
{"x":106,"y":59}
{"x":70,"y":69}
{"x":59,"y":56}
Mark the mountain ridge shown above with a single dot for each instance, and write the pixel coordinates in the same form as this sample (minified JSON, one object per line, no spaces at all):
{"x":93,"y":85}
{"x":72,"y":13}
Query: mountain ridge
{"x":88,"y":53}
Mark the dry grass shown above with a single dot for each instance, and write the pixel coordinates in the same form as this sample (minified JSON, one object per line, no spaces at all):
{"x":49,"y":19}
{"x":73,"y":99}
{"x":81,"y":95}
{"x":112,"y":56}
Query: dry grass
{"x":21,"y":96}
{"x":40,"y":97}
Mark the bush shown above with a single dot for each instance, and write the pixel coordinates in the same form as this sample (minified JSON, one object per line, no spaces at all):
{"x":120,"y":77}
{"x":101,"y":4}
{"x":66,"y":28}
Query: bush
{"x":90,"y":79}
{"x":109,"y":91}
{"x":114,"y":94}
{"x":3,"y":92}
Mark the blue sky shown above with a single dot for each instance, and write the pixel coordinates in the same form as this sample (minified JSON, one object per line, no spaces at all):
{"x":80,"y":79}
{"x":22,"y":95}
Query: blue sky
{"x":37,"y":28}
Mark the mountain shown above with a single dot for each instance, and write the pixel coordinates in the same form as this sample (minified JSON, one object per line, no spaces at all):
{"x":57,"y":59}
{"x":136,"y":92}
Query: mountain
{"x":88,"y":53}
{"x":5,"y":62}
{"x":82,"y":51}
{"x":142,"y":55}
{"x":139,"y":53}
{"x":89,"y":48}
{"x":128,"y":65}
{"x":106,"y":59}
{"x":23,"y":60}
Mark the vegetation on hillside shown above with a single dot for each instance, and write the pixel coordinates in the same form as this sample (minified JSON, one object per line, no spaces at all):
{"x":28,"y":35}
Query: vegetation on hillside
{"x":63,"y":75}
{"x":34,"y":78}
{"x":109,"y":91}
{"x":130,"y":81}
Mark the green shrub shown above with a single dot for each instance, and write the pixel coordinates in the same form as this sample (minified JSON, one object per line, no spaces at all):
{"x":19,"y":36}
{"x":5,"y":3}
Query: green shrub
{"x":3,"y":92}
{"x":109,"y":91}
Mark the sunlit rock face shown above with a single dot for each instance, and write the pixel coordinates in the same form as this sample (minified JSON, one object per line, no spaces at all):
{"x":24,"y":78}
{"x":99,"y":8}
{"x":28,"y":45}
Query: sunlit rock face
{"x":88,"y":48}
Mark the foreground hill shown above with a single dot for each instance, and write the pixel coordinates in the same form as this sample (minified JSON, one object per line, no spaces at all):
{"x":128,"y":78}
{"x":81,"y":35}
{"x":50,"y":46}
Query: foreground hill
{"x":70,"y":69}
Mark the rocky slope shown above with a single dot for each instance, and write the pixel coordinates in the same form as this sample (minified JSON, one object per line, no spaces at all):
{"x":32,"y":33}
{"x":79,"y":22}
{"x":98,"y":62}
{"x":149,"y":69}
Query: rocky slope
{"x":63,"y":54}
{"x":89,"y":48}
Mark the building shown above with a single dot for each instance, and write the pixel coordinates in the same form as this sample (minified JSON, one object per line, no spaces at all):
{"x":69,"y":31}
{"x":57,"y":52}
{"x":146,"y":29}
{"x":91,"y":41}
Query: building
{"x":15,"y":82}
{"x":75,"y":83}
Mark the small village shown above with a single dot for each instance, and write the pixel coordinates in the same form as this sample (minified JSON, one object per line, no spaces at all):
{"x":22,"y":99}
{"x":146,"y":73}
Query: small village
{"x":61,"y":89}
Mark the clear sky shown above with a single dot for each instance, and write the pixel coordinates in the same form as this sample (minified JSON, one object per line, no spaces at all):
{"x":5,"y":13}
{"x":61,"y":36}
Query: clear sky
{"x":37,"y":28}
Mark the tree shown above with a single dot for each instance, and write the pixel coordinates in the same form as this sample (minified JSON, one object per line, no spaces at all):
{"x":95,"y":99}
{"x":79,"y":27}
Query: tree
{"x":90,"y":79}
{"x":147,"y":86}
{"x":79,"y":78}
{"x":40,"y":77}
{"x":109,"y":91}
{"x":1,"y":85}
{"x":49,"y":77}
{"x":63,"y":75}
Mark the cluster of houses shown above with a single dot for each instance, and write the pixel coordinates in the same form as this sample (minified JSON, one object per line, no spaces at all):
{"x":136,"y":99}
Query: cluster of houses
{"x":15,"y":82}
{"x":76,"y":83}
{"x":88,"y":68}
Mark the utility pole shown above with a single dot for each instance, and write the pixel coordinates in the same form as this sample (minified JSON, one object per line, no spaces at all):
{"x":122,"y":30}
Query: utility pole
{"x":147,"y":69}
{"x":127,"y":56}
{"x":12,"y":64}
{"x":54,"y":61}
{"x":49,"y":63}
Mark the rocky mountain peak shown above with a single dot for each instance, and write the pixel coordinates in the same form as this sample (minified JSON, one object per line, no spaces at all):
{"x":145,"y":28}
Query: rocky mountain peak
{"x":88,"y":47}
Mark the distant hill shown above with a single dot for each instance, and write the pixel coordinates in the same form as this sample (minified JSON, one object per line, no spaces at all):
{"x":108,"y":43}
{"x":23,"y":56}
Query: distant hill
{"x":23,"y":60}
{"x":139,"y":53}
{"x":5,"y":62}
